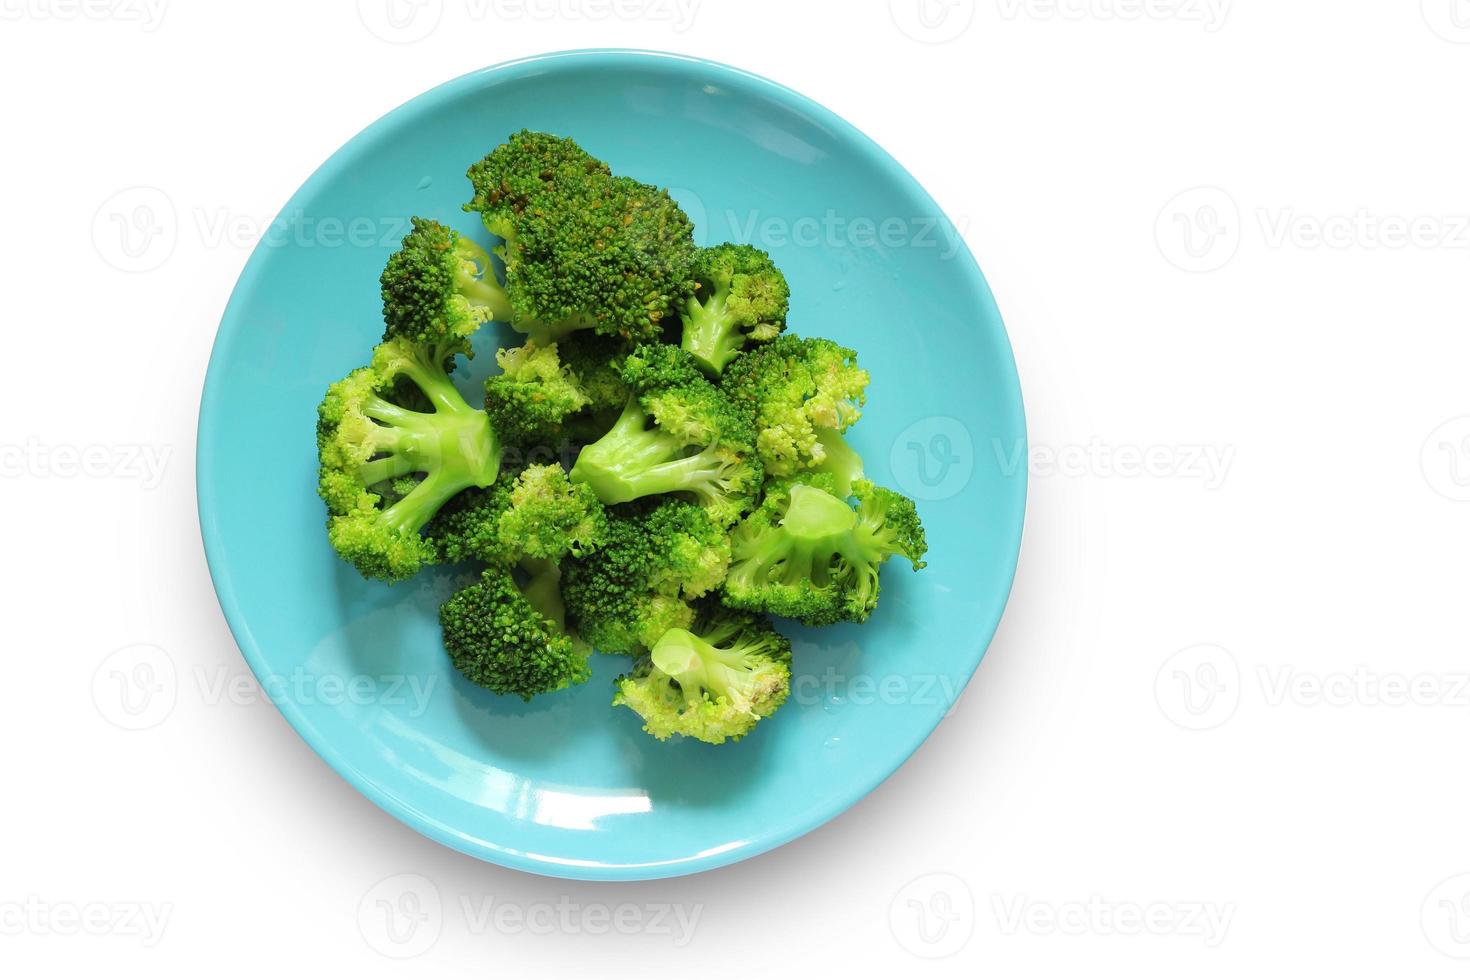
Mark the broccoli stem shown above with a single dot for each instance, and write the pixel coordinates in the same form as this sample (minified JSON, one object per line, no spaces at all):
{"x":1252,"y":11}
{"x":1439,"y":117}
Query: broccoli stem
{"x":633,"y":460}
{"x":697,"y":665}
{"x":710,"y":334}
{"x":475,"y":280}
{"x":543,"y":590}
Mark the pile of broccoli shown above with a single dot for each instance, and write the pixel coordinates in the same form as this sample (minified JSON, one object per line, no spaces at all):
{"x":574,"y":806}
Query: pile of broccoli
{"x":709,"y":484}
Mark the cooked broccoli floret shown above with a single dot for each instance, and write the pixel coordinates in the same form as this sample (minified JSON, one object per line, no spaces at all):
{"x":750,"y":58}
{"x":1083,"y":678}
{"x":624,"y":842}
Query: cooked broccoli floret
{"x":537,"y":513}
{"x":798,"y":388}
{"x":510,"y":638}
{"x":508,"y":631}
{"x":440,"y":283}
{"x":677,"y":434}
{"x":534,"y":394}
{"x":809,"y":555}
{"x":635,"y":587}
{"x":369,"y":441}
{"x":713,"y":681}
{"x":582,"y":248}
{"x":741,"y":300}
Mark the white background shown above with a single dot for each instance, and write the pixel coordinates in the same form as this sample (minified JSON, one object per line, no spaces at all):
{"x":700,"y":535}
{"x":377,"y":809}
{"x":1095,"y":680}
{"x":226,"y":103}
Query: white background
{"x":1286,"y":348}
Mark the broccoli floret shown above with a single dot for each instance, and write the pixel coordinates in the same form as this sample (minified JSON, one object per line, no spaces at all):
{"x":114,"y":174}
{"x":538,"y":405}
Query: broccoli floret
{"x":368,"y":442}
{"x":440,"y":284}
{"x":798,"y":388}
{"x":534,"y":514}
{"x":509,"y":638}
{"x":741,"y":300}
{"x":534,"y":394}
{"x":637,"y":585}
{"x":808,"y":554}
{"x":713,"y":681}
{"x":582,"y":248}
{"x":677,"y":434}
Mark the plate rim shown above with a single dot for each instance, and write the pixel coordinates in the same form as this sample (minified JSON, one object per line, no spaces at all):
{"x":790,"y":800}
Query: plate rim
{"x":221,"y":580}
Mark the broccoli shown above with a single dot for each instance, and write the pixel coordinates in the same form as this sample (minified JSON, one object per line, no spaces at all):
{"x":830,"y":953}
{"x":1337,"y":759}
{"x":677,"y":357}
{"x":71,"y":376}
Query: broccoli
{"x":533,"y":395}
{"x":803,"y":392}
{"x":741,"y":300}
{"x":713,"y":681}
{"x":637,"y":585}
{"x":440,"y":283}
{"x":508,"y":631}
{"x":808,"y":554}
{"x":500,"y":638}
{"x":368,"y":442}
{"x":677,"y":434}
{"x":582,"y":249}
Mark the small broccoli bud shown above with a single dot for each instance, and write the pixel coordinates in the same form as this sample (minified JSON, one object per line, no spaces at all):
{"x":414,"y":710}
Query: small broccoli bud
{"x":741,"y":300}
{"x":499,"y":639}
{"x":713,"y":681}
{"x":439,"y":287}
{"x":809,"y":555}
{"x":798,"y":389}
{"x":534,"y":395}
{"x":677,"y":435}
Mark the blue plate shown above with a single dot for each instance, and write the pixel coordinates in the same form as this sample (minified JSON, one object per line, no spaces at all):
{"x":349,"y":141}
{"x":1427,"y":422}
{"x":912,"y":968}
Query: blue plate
{"x":567,"y":785}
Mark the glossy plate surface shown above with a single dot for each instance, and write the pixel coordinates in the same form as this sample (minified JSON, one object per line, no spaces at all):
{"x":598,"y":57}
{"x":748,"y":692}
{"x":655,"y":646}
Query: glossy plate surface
{"x":568,"y":785}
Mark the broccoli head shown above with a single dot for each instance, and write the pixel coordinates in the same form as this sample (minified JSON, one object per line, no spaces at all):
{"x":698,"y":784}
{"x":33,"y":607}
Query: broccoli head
{"x":810,"y":555}
{"x":509,"y":638}
{"x":534,"y":514}
{"x":741,"y":299}
{"x":677,"y":434}
{"x":582,"y":248}
{"x":798,"y":389}
{"x":369,"y":442}
{"x":440,"y":284}
{"x":534,"y":394}
{"x":637,"y":585}
{"x":713,"y":681}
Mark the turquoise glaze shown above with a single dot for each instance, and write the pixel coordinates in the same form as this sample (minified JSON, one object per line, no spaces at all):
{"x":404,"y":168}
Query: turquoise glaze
{"x":568,"y":785}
